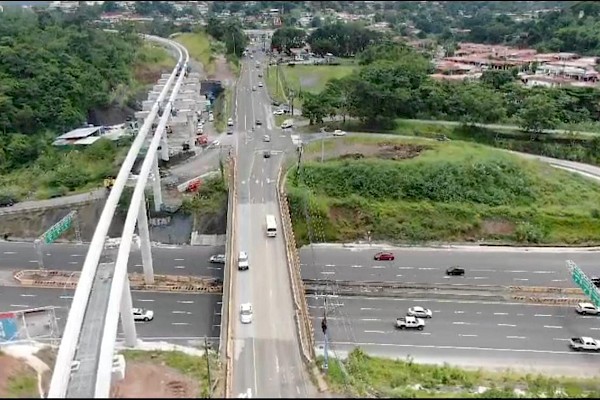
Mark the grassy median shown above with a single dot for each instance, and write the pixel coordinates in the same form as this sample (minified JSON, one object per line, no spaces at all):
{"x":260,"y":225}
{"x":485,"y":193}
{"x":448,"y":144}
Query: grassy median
{"x":412,"y":191}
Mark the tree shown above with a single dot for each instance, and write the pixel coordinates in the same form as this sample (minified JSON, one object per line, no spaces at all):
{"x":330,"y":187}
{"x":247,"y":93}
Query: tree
{"x":481,"y":104}
{"x":497,"y":79}
{"x":538,"y":114}
{"x":287,"y":38}
{"x":342,"y":40}
{"x":315,"y":107}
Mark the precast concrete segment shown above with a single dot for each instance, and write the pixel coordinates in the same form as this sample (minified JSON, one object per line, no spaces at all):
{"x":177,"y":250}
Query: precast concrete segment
{"x":60,"y":376}
{"x":81,"y":383}
{"x":103,"y":380}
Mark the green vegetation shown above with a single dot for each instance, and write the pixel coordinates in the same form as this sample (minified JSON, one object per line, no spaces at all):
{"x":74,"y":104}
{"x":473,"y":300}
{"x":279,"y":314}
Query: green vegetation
{"x":209,"y":198}
{"x":23,"y":386}
{"x":223,"y":109}
{"x":192,"y":366}
{"x":364,"y":376}
{"x":201,"y":48}
{"x":422,"y":191}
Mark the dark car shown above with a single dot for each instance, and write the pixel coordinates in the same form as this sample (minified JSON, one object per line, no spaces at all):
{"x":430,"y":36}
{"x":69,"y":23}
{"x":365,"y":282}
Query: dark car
{"x":455,"y":271}
{"x":267,"y":154}
{"x":6,"y":201}
{"x":384,"y":256}
{"x":596,"y":281}
{"x":230,"y":131}
{"x":258,"y":122}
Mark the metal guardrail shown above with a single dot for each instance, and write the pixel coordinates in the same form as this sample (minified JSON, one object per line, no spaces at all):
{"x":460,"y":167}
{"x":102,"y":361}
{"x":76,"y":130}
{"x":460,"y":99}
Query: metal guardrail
{"x":303,"y":320}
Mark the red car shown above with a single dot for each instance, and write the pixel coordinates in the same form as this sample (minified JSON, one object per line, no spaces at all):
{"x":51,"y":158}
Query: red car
{"x":384,"y":256}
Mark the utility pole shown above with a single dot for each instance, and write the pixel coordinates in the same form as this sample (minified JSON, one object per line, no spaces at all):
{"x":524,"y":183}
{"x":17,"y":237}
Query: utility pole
{"x":292,"y":95}
{"x":299,"y":149}
{"x":324,"y":329}
{"x":208,"y":367}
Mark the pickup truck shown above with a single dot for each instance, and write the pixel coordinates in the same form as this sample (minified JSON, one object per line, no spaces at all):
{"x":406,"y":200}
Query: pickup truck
{"x":409,"y":322}
{"x":584,"y":343}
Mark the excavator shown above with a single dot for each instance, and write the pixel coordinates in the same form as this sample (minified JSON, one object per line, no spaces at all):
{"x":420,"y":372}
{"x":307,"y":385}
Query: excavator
{"x":109,"y":181}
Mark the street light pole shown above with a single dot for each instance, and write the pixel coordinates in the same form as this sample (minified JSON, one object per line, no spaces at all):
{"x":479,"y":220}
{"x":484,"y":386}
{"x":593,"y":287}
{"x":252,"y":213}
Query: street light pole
{"x":207,"y":367}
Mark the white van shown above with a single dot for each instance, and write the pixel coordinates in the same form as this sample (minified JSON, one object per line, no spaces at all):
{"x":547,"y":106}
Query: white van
{"x":271,"y":226}
{"x":288,"y":123}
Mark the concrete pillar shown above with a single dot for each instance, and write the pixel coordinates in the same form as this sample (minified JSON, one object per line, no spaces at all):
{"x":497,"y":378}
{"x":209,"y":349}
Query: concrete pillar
{"x":127,"y":316}
{"x":144,"y":232}
{"x":191,"y":127}
{"x":156,"y":186}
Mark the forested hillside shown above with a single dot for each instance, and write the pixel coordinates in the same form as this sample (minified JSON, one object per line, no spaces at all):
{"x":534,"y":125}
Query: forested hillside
{"x":52,"y":72}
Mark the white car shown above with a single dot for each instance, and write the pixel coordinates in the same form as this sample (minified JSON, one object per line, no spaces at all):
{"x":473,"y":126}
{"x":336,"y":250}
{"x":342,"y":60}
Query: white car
{"x":230,"y":122}
{"x":211,"y":117}
{"x":243,"y":263}
{"x":246,"y":313}
{"x":338,"y":132}
{"x":140,"y":314}
{"x":587,"y":308}
{"x":266,"y":138}
{"x":278,"y":112}
{"x":218,"y":259}
{"x":419,"y":312}
{"x":260,"y":84}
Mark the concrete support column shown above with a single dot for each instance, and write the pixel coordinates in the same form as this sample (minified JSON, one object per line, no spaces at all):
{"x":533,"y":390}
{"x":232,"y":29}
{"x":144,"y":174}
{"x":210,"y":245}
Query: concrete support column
{"x":144,"y":232}
{"x":191,"y":127}
{"x":156,"y":185}
{"x":127,"y":316}
{"x":164,"y":152}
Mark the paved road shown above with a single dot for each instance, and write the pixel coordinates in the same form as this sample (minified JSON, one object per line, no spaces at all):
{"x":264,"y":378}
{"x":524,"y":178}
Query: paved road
{"x":56,"y":202}
{"x":178,"y":260}
{"x":266,"y":353}
{"x":483,"y":267}
{"x":177,"y":317}
{"x":467,"y":333}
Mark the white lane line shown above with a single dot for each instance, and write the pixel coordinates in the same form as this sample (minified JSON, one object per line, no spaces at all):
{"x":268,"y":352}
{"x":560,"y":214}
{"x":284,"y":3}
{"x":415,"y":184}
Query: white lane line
{"x":520,"y":315}
{"x":424,"y":333}
{"x":378,"y":266}
{"x":561,"y":339}
{"x":520,"y":279}
{"x":406,"y":267}
{"x":10,"y":252}
{"x":516,"y":337}
{"x":510,"y":325}
{"x":185,"y":301}
{"x":73,"y":262}
{"x":480,"y":277}
{"x":374,"y":331}
{"x":328,"y":272}
{"x":459,"y":312}
{"x":178,"y":259}
{"x":181,"y":312}
{"x":483,"y":270}
{"x":595,"y":329}
{"x":462,"y":323}
{"x":500,"y":313}
{"x":330,"y":265}
{"x":398,"y":276}
{"x":33,"y":261}
{"x":552,"y":327}
{"x":138,"y":265}
{"x":76,"y":255}
{"x":65,"y":297}
{"x":369,"y":309}
{"x":19,"y":305}
{"x":427,"y":268}
{"x":542,"y":315}
{"x":544,"y":272}
{"x":461,"y":335}
{"x":559,"y":280}
{"x":214,"y":268}
{"x":145,"y":300}
{"x":179,"y":267}
{"x":370,"y":319}
{"x":28,"y":295}
{"x":517,"y":271}
{"x":179,"y":323}
{"x":356,"y":266}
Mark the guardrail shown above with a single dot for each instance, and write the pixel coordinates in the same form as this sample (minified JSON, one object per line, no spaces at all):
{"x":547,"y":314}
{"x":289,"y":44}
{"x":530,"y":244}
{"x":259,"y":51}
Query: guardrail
{"x":226,"y":302}
{"x":370,"y":286}
{"x":302,"y":317}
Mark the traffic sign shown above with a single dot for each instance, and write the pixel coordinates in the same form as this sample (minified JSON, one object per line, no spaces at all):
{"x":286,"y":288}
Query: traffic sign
{"x":58,"y":229}
{"x":586,"y":285}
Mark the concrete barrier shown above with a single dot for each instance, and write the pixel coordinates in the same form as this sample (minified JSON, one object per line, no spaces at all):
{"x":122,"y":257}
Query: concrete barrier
{"x":303,"y":321}
{"x":225,"y":345}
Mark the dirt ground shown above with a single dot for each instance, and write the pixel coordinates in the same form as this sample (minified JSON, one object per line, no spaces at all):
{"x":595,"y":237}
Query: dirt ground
{"x":383,"y":150}
{"x":11,"y":368}
{"x":222,"y":71}
{"x":147,"y":380}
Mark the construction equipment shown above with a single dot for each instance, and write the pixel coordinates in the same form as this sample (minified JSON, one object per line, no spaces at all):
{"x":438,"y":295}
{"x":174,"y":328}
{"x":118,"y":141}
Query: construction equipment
{"x":109,"y":182}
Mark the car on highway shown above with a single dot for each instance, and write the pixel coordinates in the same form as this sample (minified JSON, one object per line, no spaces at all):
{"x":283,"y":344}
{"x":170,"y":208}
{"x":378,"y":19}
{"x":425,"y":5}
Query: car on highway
{"x":410,"y":323}
{"x":254,"y":88}
{"x":384,"y":256}
{"x":339,"y":132}
{"x":246,"y":313}
{"x":243,"y":263}
{"x":141,"y":314}
{"x":587,"y":309}
{"x":267,"y":154}
{"x":266,"y":138}
{"x":211,"y":117}
{"x":258,"y":122}
{"x":230,"y":130}
{"x":259,"y":75}
{"x":6,"y":201}
{"x":278,"y":112}
{"x":455,"y":271}
{"x":230,"y":122}
{"x":584,"y":343}
{"x":217,"y":259}
{"x":419,"y":312}
{"x":260,"y":84}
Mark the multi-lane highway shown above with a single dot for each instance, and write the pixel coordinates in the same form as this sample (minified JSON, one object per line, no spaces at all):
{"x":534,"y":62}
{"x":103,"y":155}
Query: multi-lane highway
{"x":175,"y":260}
{"x":267,"y":359}
{"x":179,"y":318}
{"x":482,"y":266}
{"x":464,"y":333}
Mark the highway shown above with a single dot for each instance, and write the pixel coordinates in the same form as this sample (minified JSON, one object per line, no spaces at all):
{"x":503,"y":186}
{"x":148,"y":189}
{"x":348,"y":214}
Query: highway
{"x":178,"y":318}
{"x":482,"y":266}
{"x":174,"y":260}
{"x":464,"y":333}
{"x":267,"y":358}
